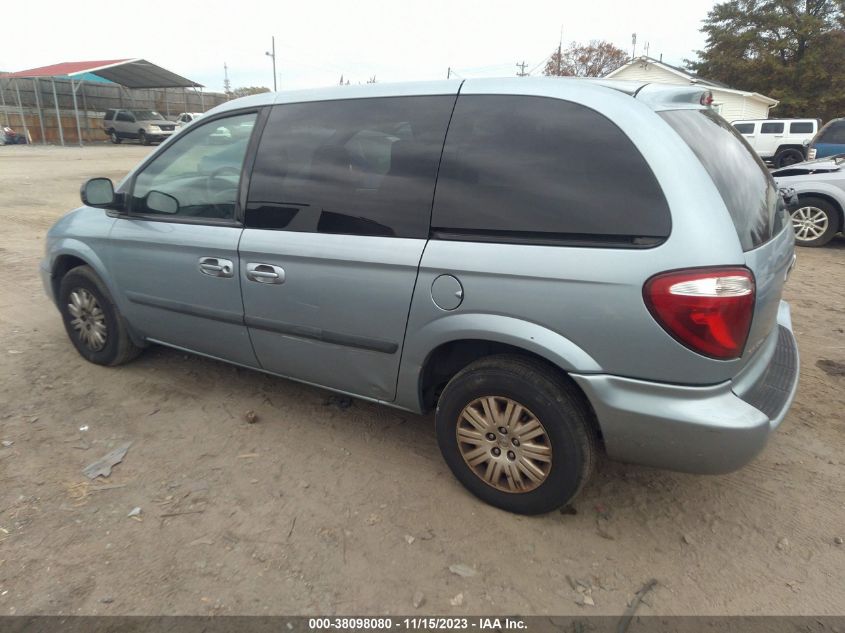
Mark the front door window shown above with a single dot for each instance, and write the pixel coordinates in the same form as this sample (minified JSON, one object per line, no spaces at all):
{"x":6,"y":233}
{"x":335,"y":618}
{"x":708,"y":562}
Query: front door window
{"x":197,"y":176}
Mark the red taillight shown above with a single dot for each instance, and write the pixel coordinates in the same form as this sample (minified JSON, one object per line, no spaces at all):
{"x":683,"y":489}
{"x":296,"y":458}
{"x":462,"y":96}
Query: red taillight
{"x":706,"y":98}
{"x":707,"y":309}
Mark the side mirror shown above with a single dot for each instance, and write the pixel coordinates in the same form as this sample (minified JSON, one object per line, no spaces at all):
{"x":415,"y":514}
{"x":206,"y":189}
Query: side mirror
{"x":97,"y":192}
{"x":159,"y":202}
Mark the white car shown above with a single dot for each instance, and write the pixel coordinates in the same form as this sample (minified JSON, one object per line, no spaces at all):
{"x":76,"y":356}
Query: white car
{"x":782,"y":142}
{"x":186,"y":117}
{"x":820,"y":186}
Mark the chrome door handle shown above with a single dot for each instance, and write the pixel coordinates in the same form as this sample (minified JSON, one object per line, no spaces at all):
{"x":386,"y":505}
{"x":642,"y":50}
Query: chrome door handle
{"x":216,"y":267}
{"x":265,"y":273}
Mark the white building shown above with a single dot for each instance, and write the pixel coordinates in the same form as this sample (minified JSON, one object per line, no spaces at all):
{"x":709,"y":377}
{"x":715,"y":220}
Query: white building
{"x":732,"y":104}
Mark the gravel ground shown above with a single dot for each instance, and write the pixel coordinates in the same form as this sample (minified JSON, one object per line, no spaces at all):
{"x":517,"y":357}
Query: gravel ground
{"x":316,"y":509}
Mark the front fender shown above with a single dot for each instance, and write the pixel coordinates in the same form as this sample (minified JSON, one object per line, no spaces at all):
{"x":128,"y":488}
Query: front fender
{"x":531,"y":337}
{"x":827,"y":190}
{"x":69,"y":246}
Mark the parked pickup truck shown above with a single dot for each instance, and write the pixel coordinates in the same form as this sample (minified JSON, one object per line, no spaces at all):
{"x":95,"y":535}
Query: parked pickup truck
{"x":780,"y":141}
{"x":146,"y":126}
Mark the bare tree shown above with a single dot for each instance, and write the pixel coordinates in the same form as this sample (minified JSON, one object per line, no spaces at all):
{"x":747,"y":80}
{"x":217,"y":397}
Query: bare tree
{"x":595,"y":59}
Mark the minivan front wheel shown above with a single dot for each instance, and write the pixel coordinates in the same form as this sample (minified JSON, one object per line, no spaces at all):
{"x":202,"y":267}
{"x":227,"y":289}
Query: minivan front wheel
{"x":815,"y":222}
{"x":92,"y":321}
{"x":516,"y":433}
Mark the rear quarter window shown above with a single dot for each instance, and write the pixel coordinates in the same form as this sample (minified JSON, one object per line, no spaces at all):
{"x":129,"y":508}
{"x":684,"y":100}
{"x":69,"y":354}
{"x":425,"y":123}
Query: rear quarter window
{"x":518,"y":168}
{"x":801,"y":128}
{"x":747,"y":189}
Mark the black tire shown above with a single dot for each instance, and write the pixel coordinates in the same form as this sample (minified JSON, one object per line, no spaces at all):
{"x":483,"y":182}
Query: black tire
{"x":114,"y":137}
{"x":547,"y":395}
{"x":118,"y":347}
{"x":811,"y":207}
{"x":789,"y":156}
{"x":142,"y":138}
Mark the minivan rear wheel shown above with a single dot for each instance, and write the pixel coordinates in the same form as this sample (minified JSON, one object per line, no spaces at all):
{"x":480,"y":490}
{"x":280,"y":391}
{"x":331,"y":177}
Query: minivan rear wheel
{"x":516,"y":434}
{"x":92,"y":321}
{"x":815,"y":221}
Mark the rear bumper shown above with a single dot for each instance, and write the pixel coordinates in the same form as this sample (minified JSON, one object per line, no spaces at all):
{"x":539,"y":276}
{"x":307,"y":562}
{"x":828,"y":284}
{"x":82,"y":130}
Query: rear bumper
{"x":710,"y":430}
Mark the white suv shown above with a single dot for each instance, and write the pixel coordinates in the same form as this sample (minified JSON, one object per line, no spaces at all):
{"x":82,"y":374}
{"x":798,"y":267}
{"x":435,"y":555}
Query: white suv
{"x":186,"y":117}
{"x":780,"y":141}
{"x":147,"y":126}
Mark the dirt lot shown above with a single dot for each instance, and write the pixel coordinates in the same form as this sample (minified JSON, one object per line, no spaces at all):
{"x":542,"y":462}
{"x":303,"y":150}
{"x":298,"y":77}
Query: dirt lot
{"x":318,"y":509}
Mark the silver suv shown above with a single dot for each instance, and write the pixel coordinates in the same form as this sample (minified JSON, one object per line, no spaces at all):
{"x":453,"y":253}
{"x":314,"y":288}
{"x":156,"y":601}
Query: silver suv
{"x":439,"y":247}
{"x":147,"y":126}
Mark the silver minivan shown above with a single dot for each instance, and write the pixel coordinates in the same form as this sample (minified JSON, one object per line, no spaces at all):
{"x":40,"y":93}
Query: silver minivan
{"x":441,"y":247}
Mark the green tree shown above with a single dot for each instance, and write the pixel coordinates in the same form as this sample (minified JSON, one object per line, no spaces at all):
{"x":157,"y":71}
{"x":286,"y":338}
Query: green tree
{"x":595,"y":59}
{"x":790,"y":50}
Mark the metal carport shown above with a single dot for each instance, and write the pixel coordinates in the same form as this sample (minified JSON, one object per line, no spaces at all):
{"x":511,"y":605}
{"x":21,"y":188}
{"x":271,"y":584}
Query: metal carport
{"x":129,"y":73}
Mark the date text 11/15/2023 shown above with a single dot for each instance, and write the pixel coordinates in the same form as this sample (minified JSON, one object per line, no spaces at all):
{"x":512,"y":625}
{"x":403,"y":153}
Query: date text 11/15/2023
{"x":416,"y":623}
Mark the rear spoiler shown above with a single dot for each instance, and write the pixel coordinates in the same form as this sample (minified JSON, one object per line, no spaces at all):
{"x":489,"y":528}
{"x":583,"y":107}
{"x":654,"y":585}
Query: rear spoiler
{"x":664,"y":96}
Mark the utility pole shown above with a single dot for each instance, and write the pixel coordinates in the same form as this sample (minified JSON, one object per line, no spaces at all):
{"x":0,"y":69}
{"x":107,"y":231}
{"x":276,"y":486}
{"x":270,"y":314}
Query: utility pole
{"x":227,"y":86}
{"x":521,"y":72}
{"x":273,"y":56}
{"x":634,"y":45}
{"x":449,"y":73}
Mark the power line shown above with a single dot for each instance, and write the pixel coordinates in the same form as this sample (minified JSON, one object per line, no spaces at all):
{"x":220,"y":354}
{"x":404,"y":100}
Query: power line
{"x":475,"y":69}
{"x":538,"y":65}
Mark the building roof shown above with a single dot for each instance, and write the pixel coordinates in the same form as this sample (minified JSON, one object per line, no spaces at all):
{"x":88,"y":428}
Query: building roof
{"x":131,"y":73}
{"x":675,"y":70}
{"x":692,"y":78}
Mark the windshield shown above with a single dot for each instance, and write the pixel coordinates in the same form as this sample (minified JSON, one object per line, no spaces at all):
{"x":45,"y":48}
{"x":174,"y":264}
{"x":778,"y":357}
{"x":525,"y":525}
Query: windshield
{"x":147,"y":115}
{"x":833,"y":133}
{"x":749,"y":192}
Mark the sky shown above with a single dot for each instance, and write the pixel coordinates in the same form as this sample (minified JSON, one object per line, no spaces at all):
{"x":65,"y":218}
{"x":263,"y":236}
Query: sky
{"x":318,"y":41}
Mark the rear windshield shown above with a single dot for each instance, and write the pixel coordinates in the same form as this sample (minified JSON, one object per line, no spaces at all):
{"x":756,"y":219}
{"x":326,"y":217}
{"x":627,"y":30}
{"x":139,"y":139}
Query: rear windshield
{"x":740,"y":176}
